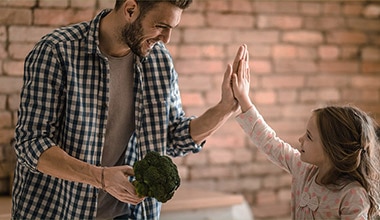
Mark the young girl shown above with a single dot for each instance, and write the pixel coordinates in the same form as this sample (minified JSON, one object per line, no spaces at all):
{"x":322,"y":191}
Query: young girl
{"x":336,"y":167}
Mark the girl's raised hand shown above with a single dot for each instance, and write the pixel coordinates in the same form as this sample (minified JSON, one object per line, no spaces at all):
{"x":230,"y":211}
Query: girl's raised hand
{"x":241,"y":81}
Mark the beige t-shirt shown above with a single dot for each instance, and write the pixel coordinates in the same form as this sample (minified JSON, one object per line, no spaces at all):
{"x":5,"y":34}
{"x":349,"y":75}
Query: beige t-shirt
{"x":120,"y":126}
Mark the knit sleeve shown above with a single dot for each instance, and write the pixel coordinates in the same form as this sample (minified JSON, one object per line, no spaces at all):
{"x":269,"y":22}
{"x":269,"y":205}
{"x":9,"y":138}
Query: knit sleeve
{"x":265,"y":138}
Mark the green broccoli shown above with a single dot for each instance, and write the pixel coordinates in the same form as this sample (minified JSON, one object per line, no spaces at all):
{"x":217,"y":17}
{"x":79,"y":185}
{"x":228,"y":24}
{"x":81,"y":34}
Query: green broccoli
{"x":156,"y":176}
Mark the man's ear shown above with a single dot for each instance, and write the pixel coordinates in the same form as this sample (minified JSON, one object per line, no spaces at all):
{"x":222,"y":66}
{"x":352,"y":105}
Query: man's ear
{"x":130,"y":7}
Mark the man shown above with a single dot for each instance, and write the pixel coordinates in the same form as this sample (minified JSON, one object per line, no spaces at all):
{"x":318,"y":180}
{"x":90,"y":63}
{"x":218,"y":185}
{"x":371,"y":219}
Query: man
{"x":98,"y":96}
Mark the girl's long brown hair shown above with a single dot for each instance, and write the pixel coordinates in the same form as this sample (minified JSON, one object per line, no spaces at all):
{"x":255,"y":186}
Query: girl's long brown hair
{"x":349,"y":138}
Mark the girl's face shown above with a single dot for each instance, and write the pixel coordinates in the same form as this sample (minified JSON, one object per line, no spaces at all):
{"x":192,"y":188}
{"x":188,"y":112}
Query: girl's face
{"x":311,"y":148}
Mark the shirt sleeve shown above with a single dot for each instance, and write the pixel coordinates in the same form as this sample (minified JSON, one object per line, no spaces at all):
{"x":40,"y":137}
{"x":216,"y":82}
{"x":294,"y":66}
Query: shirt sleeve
{"x":40,"y":105}
{"x":355,"y":204}
{"x":264,"y":137}
{"x":181,"y":142}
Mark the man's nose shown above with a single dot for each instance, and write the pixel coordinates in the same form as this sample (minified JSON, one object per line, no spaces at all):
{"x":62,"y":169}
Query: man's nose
{"x":165,"y":35}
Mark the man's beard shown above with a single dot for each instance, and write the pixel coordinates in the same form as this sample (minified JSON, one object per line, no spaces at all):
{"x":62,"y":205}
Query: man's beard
{"x":132,"y":35}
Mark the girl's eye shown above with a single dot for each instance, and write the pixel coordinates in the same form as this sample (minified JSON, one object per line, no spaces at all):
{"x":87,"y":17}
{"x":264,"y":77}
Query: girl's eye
{"x":308,"y":137}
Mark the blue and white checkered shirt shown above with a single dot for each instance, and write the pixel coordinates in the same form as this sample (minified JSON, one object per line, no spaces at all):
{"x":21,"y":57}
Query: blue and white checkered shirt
{"x":64,"y":102}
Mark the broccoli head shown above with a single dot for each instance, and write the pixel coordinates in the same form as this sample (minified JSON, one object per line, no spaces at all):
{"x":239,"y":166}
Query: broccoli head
{"x":156,"y":176}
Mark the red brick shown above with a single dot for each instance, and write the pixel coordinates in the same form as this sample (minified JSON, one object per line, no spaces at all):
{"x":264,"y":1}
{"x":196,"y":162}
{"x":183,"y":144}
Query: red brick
{"x":328,"y":94}
{"x":287,"y":6}
{"x":295,"y":66}
{"x":6,"y":135}
{"x":261,"y":66}
{"x":241,"y":6}
{"x":200,"y":66}
{"x":3,"y":34}
{"x":324,"y":23}
{"x":218,"y":5}
{"x":229,"y":20}
{"x":331,"y":8}
{"x":192,"y":99}
{"x":276,"y":182}
{"x":303,"y":37}
{"x":106,"y":4}
{"x":242,"y":155}
{"x":284,"y":51}
{"x":363,"y":24}
{"x":5,"y":119}
{"x":279,"y":22}
{"x":371,"y":11}
{"x":275,"y":210}
{"x":264,"y":6}
{"x":14,"y":68}
{"x":19,"y":50}
{"x":195,"y":35}
{"x":18,"y":33}
{"x":3,"y":51}
{"x":371,"y":67}
{"x":220,"y":157}
{"x":365,"y":82}
{"x":13,"y":102}
{"x":310,"y":8}
{"x":287,"y":96}
{"x":218,"y":141}
{"x":196,"y":159}
{"x":264,"y":97}
{"x":343,"y":67}
{"x":360,"y":95}
{"x":10,"y":85}
{"x":191,"y":83}
{"x":328,"y":52}
{"x":258,"y":50}
{"x":192,"y":20}
{"x":15,"y":16}
{"x":257,"y":36}
{"x":189,"y":51}
{"x":56,"y":17}
{"x":350,"y":52}
{"x":183,"y":172}
{"x":352,"y":9}
{"x":306,"y":53}
{"x":346,"y":37}
{"x":3,"y":102}
{"x":327,"y":80}
{"x":265,"y":197}
{"x":370,"y":53}
{"x":263,"y":168}
{"x":212,"y":51}
{"x":54,"y":4}
{"x":213,"y":172}
{"x":83,"y":3}
{"x":18,"y":3}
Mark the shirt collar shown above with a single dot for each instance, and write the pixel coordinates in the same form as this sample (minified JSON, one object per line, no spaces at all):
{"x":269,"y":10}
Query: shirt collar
{"x":93,"y":32}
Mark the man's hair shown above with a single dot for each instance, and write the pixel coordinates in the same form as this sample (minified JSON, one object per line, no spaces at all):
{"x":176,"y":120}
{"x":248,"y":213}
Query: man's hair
{"x":146,"y":5}
{"x":349,"y":138}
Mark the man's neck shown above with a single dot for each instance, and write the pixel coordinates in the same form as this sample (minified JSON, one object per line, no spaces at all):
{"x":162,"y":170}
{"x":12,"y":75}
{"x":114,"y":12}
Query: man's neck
{"x":109,"y":39}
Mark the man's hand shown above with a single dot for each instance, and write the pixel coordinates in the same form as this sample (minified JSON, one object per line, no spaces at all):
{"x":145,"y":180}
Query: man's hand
{"x":114,"y":180}
{"x":116,"y":183}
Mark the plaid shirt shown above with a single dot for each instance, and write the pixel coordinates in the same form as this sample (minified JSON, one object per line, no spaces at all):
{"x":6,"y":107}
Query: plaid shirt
{"x":64,"y":102}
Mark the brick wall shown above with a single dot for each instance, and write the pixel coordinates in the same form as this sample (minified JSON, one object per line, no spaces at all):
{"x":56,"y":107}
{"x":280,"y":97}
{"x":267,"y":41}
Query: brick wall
{"x":304,"y":54}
